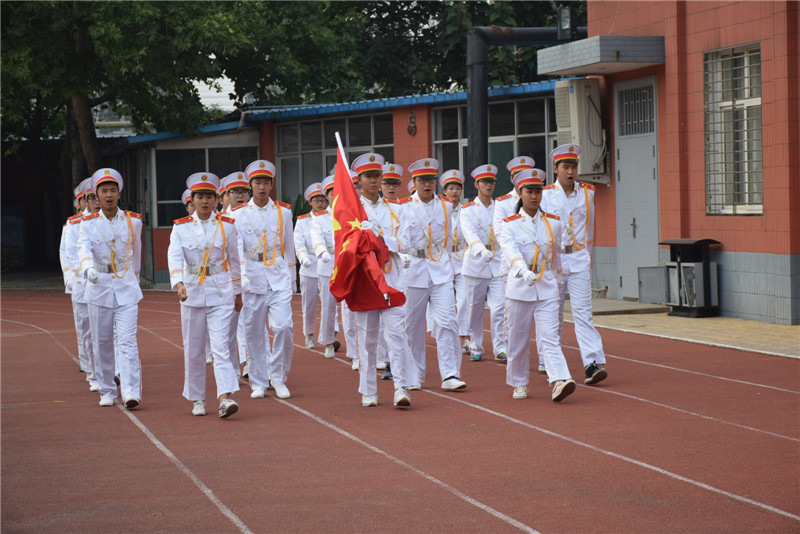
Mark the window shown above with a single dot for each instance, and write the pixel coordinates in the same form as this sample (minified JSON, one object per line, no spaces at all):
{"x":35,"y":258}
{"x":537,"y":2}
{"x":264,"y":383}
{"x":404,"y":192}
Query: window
{"x":519,"y":127}
{"x":312,"y":157}
{"x":733,"y":142}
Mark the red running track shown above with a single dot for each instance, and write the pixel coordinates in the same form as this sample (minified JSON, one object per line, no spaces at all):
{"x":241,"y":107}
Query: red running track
{"x":681,"y":437}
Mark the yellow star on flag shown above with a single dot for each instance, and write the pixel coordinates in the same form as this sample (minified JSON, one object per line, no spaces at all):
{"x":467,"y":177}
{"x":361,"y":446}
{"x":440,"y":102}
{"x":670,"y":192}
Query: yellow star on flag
{"x":344,"y":245}
{"x":355,"y":224}
{"x":333,"y":273}
{"x":336,"y":225}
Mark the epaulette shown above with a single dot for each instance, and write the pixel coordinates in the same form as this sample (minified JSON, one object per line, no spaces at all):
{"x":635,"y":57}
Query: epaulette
{"x":92,"y":216}
{"x":284,"y":204}
{"x":590,"y":187}
{"x":304,"y":216}
{"x":240,"y":206}
{"x":392,"y":200}
{"x":225,"y":218}
{"x":445,"y":198}
{"x":76,"y":216}
{"x":75,"y":220}
{"x":512,"y":217}
{"x":403,"y":200}
{"x":468,"y":204}
{"x":186,"y":219}
{"x":320,"y":213}
{"x":507,"y":195}
{"x":133,"y":214}
{"x":551,"y":186}
{"x":552,"y":216}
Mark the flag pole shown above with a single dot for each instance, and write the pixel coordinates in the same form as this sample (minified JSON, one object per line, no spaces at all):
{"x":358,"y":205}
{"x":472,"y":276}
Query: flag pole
{"x":341,"y":150}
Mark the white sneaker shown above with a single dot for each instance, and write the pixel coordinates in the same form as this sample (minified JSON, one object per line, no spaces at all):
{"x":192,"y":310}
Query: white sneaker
{"x":310,"y":342}
{"x":380,"y":366}
{"x":227,"y":407}
{"x":453,"y":383}
{"x":209,"y":359}
{"x":257,"y":393}
{"x":401,"y":397}
{"x":281,"y":391}
{"x":415,"y":387}
{"x":369,"y":400}
{"x":329,"y":352}
{"x":354,"y":366}
{"x":520,"y":392}
{"x":246,"y":370}
{"x":199,"y":408}
{"x":563,"y":389}
{"x":542,"y":369}
{"x":94,"y":387}
{"x":105,"y":401}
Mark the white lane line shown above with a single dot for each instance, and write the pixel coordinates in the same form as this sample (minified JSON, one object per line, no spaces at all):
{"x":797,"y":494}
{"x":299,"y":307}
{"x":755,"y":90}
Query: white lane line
{"x":69,"y":353}
{"x":188,"y":472}
{"x":185,"y":470}
{"x":488,"y":509}
{"x":162,"y":338}
{"x":622,"y":457}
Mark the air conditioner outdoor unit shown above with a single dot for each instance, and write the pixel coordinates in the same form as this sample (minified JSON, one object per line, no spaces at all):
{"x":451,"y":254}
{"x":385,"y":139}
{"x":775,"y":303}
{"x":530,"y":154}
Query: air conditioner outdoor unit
{"x":579,"y":121}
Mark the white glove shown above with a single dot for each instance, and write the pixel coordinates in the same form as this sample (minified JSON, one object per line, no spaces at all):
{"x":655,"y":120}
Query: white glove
{"x":245,"y":284}
{"x":406,"y":260}
{"x":369,"y":225}
{"x":91,"y":275}
{"x":528,"y":277}
{"x":325,"y":257}
{"x":486,"y":256}
{"x":305,"y":261}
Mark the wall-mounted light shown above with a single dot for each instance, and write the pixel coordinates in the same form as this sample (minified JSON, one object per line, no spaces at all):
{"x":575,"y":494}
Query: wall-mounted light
{"x":412,"y":124}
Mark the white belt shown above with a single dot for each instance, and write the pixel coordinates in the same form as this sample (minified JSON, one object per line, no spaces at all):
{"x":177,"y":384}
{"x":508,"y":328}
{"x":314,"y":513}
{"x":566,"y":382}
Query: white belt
{"x":258,"y":256}
{"x":424,"y":253}
{"x":106,"y":267}
{"x":210,"y":269}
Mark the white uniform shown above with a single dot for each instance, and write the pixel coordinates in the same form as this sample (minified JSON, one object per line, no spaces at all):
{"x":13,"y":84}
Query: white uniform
{"x":532,"y":245}
{"x":204,"y":255}
{"x":577,"y":217}
{"x":385,"y":222}
{"x":266,"y":252}
{"x":430,"y":281}
{"x":237,"y":345}
{"x":457,"y":251}
{"x":113,"y":250}
{"x":322,"y":245}
{"x":483,"y":278}
{"x":309,"y":280}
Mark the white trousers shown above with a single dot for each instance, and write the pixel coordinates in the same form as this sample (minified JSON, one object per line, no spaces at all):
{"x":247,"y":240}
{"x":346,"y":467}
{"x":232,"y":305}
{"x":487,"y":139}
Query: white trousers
{"x":309,"y":293}
{"x":265,"y":364}
{"x":441,"y":299}
{"x":478,"y":291}
{"x":350,"y":333}
{"x":580,"y":301}
{"x":368,"y":324}
{"x":241,"y":338}
{"x":116,"y":322}
{"x":327,"y":317}
{"x":462,"y":308}
{"x":521,"y":317}
{"x":199,"y":323}
{"x":80,"y":312}
{"x":232,"y":341}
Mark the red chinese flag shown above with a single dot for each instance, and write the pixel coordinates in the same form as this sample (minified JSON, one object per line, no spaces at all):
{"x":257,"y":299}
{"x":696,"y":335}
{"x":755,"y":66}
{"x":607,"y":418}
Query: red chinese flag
{"x":357,"y":277}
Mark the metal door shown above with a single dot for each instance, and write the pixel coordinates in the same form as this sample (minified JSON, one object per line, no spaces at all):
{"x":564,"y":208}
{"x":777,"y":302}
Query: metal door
{"x":636,"y":178}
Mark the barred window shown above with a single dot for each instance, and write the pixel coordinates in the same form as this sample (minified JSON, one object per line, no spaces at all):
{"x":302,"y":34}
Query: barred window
{"x":733,"y":134}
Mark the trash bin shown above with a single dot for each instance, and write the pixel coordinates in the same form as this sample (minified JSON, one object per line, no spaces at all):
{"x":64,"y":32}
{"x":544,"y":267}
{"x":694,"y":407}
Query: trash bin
{"x":692,"y":278}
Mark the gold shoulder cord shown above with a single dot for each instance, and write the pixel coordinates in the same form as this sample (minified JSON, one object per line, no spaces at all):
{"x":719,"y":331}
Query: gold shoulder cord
{"x":430,"y":235}
{"x":572,"y":224}
{"x":131,"y":243}
{"x":552,"y":251}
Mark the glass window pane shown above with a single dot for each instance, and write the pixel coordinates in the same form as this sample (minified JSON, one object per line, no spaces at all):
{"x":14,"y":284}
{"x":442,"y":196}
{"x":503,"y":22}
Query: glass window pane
{"x":330,"y":164}
{"x":536,"y":147}
{"x":446,"y":126}
{"x":290,"y":179}
{"x":168,"y":212}
{"x":447,"y":154}
{"x":499,"y":155}
{"x":287,"y":138}
{"x":384,"y":129}
{"x":331,"y":127}
{"x":311,"y":133}
{"x":312,"y":169}
{"x":223,"y":161}
{"x":386,"y":152}
{"x":501,"y":119}
{"x":173,"y":167}
{"x":360,"y":132}
{"x":462,"y":113}
{"x":551,"y":115}
{"x":531,"y":116}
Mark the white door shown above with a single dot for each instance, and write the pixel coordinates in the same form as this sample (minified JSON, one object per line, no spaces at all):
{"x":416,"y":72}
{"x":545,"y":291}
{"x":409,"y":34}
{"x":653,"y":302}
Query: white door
{"x":636,"y":158}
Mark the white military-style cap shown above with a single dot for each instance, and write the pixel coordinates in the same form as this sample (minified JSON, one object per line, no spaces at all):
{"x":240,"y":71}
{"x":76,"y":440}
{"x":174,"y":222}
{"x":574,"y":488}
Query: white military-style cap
{"x":411,"y":186}
{"x":186,"y":196}
{"x":369,"y":162}
{"x":452,"y":176}
{"x":529,"y":178}
{"x":312,"y":191}
{"x":104,"y":176}
{"x":424,"y":167}
{"x":570,"y":152}
{"x":392,"y":171}
{"x":203,"y":181}
{"x":520,"y":163}
{"x":235,"y":179}
{"x":484,"y":172}
{"x":85,"y":187}
{"x":260,"y":168}
{"x":327,"y":184}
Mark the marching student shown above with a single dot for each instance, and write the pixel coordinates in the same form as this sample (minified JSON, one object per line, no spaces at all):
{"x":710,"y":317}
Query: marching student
{"x":482,"y":266}
{"x":309,"y":279}
{"x":186,"y":198}
{"x":321,"y":237}
{"x":531,"y":244}
{"x":452,"y":184}
{"x":266,"y":250}
{"x":429,"y":275}
{"x":110,"y":252}
{"x":385,"y":224}
{"x":204,"y":270}
{"x":574,"y":203}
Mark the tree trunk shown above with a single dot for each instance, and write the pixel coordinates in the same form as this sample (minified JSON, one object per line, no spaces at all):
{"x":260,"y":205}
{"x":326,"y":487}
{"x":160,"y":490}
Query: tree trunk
{"x":83,"y":117}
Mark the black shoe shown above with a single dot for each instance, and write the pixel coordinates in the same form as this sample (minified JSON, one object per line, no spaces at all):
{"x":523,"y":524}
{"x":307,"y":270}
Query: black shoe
{"x":116,"y":380}
{"x":336,"y":345}
{"x":387,"y":373}
{"x":595,"y":374}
